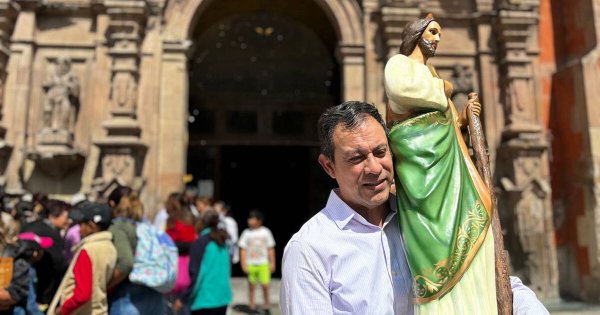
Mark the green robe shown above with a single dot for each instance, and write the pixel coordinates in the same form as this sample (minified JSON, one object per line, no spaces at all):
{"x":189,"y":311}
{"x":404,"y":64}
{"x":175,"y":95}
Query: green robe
{"x":444,"y":207}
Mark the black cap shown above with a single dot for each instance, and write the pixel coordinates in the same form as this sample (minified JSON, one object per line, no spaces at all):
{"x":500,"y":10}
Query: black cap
{"x":99,"y":213}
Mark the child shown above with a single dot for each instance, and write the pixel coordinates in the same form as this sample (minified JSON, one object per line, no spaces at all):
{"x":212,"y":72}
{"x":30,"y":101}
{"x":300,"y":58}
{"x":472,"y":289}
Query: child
{"x":83,"y":288}
{"x":257,"y":256}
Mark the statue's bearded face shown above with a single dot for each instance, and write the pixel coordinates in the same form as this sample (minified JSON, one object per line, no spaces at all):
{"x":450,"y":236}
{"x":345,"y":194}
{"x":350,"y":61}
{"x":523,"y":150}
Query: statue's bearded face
{"x":430,"y":39}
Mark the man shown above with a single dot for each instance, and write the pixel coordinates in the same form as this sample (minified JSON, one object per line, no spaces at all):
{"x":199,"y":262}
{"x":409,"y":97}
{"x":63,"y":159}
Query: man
{"x":349,"y":258}
{"x":83,"y":290}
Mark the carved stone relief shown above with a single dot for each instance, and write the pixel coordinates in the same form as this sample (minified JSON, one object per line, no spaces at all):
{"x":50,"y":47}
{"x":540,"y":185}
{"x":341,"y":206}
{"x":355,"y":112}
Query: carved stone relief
{"x":462,"y":81}
{"x":124,"y":91}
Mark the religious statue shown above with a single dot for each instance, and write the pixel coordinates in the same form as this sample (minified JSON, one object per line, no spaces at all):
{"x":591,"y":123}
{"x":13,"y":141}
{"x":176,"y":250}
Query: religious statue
{"x":62,"y":92}
{"x":444,"y":206}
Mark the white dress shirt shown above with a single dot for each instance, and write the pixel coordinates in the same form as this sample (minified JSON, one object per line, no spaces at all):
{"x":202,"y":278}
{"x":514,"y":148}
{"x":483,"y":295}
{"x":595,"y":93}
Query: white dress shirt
{"x":338,"y":263}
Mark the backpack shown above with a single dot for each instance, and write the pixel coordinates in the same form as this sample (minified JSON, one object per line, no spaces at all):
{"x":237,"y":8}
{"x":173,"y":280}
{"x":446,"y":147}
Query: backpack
{"x":155,"y":263}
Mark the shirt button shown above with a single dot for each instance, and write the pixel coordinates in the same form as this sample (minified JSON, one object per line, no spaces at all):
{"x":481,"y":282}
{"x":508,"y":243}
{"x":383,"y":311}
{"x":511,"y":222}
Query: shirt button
{"x":394,"y":273}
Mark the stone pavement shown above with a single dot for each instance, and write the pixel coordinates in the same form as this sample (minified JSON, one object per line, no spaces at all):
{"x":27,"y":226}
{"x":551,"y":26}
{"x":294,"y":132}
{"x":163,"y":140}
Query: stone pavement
{"x":572,"y":308}
{"x":240,"y":297}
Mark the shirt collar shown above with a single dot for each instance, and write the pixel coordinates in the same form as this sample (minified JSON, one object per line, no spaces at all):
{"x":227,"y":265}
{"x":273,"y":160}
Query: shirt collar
{"x":342,"y":214}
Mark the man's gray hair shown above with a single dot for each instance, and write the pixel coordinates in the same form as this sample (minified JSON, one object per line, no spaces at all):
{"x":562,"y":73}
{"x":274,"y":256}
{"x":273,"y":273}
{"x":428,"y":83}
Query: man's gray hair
{"x":350,"y":114}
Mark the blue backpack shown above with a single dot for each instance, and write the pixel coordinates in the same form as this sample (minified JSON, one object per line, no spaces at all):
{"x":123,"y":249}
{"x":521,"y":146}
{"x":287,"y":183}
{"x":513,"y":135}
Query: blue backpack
{"x":155,"y":263}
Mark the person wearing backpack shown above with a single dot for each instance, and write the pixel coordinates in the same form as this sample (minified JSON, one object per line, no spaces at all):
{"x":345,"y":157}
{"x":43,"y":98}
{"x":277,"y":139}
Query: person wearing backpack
{"x":210,"y":269}
{"x":129,"y":298}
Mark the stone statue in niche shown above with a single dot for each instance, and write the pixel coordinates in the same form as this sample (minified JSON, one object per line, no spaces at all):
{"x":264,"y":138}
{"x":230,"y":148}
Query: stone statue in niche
{"x":62,"y":98}
{"x":123,"y":92}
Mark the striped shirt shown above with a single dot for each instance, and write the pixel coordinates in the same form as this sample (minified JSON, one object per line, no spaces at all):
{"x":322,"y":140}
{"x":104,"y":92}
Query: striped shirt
{"x":338,"y":263}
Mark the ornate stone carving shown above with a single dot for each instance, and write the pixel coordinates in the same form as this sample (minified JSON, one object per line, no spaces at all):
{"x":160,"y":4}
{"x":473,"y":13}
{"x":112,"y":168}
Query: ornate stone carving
{"x":124,"y":91}
{"x":55,"y":153}
{"x":62,"y":99}
{"x":8,"y":15}
{"x":122,"y":152}
{"x":121,"y":164}
{"x":522,"y":162}
{"x":462,"y":81}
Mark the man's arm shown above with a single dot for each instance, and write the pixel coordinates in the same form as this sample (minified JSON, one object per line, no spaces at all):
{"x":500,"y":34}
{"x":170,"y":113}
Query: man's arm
{"x":303,"y":288}
{"x":524,"y":300}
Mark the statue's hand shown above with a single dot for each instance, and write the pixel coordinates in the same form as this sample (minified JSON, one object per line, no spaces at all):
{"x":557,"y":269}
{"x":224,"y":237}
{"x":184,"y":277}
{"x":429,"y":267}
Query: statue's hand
{"x":475,"y":106}
{"x":448,"y":88}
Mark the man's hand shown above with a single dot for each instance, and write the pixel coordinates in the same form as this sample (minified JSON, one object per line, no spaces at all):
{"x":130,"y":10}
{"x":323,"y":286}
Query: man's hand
{"x":244,"y":268}
{"x":272,"y":267}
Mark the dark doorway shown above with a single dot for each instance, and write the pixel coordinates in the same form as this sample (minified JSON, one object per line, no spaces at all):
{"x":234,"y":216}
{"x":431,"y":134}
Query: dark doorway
{"x":261,"y":72}
{"x":284,"y":182}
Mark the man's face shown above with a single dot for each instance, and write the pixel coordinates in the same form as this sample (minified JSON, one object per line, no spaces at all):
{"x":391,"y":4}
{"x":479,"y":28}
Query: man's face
{"x":363,"y":165}
{"x":430,"y":39}
{"x":85,"y":229}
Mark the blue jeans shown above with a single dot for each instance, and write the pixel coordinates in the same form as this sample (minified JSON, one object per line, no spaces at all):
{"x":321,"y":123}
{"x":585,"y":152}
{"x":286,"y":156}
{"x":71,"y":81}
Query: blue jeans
{"x":134,"y":299}
{"x":31,"y":307}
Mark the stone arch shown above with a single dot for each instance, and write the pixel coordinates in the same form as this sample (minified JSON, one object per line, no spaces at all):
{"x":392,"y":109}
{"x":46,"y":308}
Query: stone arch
{"x":180,"y":20}
{"x":345,"y":16}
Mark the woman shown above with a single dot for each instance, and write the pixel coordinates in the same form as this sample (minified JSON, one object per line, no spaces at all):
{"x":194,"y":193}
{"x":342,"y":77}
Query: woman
{"x":181,"y":229}
{"x":129,"y":298}
{"x":210,"y":269}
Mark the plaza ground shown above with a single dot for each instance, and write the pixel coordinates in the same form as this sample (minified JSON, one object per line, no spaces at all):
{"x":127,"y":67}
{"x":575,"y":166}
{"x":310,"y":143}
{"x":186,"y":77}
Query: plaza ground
{"x":240,"y":298}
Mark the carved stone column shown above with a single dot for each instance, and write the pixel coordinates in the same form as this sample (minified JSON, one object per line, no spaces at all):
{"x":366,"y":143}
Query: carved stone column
{"x":122,"y":151}
{"x":8,"y":15}
{"x":352,"y":61}
{"x":522,"y":164}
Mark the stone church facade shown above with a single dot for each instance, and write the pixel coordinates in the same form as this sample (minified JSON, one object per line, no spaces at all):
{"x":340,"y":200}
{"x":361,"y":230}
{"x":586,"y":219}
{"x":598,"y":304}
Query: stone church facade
{"x":98,"y":93}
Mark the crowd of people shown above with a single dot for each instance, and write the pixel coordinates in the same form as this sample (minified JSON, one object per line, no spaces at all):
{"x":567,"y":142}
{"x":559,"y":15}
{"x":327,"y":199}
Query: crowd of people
{"x":99,"y":257}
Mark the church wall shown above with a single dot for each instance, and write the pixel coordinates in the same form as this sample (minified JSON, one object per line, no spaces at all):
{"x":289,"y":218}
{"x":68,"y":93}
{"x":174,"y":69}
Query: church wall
{"x":574,"y":120}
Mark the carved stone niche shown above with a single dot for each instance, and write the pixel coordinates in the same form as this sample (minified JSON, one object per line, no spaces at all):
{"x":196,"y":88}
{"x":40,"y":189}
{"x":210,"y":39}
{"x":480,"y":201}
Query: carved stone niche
{"x":54,"y":152}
